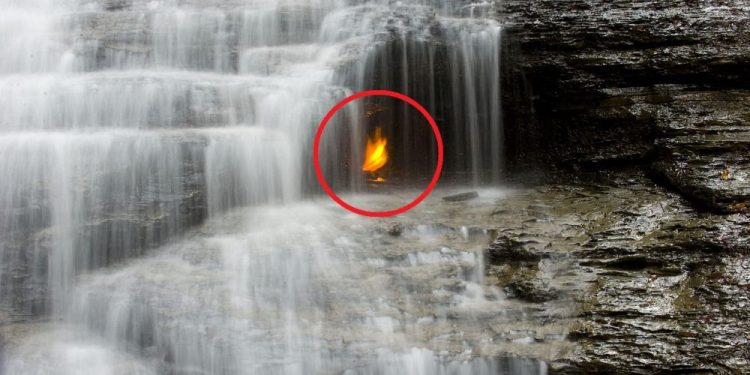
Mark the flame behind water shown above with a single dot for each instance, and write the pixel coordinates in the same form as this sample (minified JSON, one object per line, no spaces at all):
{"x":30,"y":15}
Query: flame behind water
{"x":376,"y":152}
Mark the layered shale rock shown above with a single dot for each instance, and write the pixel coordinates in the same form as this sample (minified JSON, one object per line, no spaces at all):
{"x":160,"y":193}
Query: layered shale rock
{"x":661,"y":86}
{"x":703,"y":146}
{"x":634,"y":82}
{"x":656,"y":286}
{"x":120,"y":220}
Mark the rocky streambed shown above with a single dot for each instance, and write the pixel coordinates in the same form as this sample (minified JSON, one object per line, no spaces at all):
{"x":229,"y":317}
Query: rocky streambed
{"x":615,"y":274}
{"x":657,"y":286}
{"x":611,"y":274}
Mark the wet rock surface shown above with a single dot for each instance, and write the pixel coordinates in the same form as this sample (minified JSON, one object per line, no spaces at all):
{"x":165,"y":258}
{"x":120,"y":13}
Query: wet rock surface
{"x":617,"y":275}
{"x":423,"y":288}
{"x":658,"y":287}
{"x":705,"y":137}
{"x":119,"y":223}
{"x":598,"y":85}
{"x":633,"y":82}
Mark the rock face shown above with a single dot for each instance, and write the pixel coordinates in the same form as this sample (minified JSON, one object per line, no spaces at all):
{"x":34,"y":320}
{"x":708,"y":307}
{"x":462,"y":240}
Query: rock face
{"x":593,"y":85}
{"x":657,"y":288}
{"x":117,"y":221}
{"x":661,"y":84}
{"x":704,"y":145}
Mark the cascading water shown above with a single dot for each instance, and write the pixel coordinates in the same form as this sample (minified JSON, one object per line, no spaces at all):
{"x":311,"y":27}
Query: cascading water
{"x":126,"y":122}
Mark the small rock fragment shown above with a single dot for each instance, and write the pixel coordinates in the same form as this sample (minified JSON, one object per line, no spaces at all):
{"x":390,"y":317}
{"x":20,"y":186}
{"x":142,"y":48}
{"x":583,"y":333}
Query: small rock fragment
{"x":395,"y":229}
{"x":461,"y":197}
{"x":506,"y":250}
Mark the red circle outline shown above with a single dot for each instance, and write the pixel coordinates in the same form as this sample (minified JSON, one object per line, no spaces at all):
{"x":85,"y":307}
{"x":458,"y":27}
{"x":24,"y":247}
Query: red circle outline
{"x":364,"y":94}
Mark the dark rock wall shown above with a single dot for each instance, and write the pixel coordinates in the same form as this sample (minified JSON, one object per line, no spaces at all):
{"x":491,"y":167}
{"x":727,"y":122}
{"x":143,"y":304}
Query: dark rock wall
{"x":601,"y":87}
{"x":593,"y":84}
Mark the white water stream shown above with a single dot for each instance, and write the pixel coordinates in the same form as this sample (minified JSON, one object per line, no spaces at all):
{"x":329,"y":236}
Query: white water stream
{"x":123,"y":123}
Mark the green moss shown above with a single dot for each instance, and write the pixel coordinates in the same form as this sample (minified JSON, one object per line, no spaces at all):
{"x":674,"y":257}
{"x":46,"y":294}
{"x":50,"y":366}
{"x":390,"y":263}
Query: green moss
{"x":686,"y":299}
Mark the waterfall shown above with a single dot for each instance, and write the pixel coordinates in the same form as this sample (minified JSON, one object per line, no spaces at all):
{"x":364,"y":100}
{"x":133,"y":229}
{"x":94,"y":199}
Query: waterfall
{"x":124,"y":123}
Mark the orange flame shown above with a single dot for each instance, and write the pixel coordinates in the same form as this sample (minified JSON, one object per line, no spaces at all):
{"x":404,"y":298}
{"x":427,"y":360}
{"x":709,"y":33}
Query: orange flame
{"x":376,"y":153}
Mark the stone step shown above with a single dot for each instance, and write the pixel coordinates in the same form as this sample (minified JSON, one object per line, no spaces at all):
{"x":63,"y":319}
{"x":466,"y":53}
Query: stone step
{"x":152,"y":99}
{"x":74,"y":201}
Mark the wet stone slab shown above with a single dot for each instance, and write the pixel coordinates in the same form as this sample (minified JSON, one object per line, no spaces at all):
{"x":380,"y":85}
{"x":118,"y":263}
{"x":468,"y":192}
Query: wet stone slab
{"x":657,"y":286}
{"x":600,"y":277}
